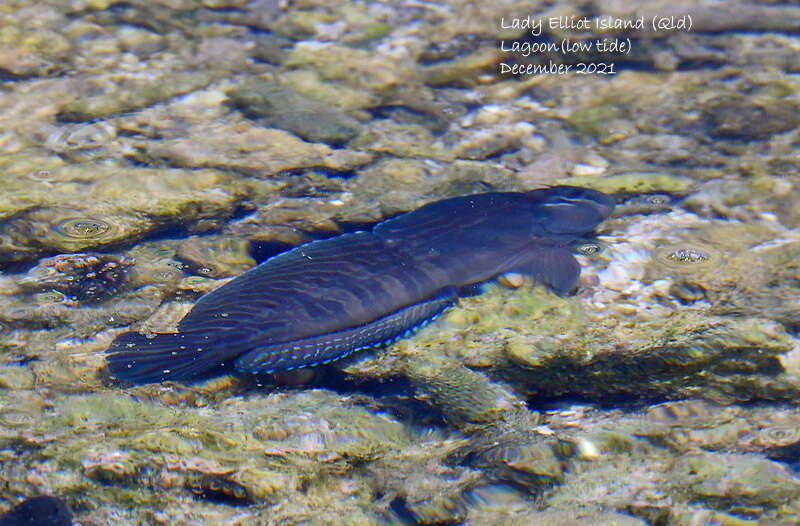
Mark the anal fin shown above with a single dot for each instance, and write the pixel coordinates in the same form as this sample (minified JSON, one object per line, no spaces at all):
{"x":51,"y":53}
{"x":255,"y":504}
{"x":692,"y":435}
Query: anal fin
{"x":326,"y":348}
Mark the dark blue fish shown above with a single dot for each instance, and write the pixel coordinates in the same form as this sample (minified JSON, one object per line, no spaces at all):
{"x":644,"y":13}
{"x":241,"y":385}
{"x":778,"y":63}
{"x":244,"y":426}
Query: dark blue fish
{"x":323,"y":300}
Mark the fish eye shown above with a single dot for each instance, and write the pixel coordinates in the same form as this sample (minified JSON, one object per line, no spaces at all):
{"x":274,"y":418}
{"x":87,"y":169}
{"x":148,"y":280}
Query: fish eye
{"x":590,"y":248}
{"x":656,"y":199}
{"x":571,"y":195}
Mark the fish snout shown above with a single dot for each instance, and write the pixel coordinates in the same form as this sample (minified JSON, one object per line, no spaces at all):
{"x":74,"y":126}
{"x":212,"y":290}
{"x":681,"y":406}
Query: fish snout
{"x":574,"y":210}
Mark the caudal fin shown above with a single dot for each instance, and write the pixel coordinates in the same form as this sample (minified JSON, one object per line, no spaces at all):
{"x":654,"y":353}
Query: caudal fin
{"x":138,"y":358}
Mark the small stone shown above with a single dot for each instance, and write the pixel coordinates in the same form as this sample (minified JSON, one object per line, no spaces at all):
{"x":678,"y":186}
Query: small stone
{"x":512,"y":280}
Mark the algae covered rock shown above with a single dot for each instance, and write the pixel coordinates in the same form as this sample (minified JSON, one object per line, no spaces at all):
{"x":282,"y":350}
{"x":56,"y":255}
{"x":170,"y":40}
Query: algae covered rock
{"x":533,"y":463}
{"x":134,"y":92}
{"x":289,"y":222}
{"x":633,"y":182}
{"x":687,"y":425}
{"x":280,"y":107}
{"x":246,"y":148}
{"x":378,"y":72}
{"x":460,"y":393}
{"x":542,"y":345}
{"x":215,"y":256}
{"x":730,"y":267}
{"x":33,"y":44}
{"x":673,"y":355}
{"x":595,"y":120}
{"x":403,"y":140}
{"x":295,"y":449}
{"x":122,"y":205}
{"x":735,"y":478}
{"x":741,"y":118}
{"x":584,"y":517}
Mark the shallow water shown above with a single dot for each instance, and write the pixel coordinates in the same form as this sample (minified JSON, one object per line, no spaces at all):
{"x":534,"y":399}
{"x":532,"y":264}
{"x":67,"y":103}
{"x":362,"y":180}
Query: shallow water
{"x":150,"y":151}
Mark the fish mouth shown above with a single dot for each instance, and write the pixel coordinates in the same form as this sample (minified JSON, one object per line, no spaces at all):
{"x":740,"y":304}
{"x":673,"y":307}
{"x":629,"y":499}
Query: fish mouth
{"x":603,"y":207}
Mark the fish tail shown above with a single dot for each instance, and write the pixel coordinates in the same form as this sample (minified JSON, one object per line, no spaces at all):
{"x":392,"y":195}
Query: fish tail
{"x":139,"y":358}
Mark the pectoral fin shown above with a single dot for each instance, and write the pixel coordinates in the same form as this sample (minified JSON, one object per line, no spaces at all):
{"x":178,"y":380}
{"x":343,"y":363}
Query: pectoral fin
{"x":556,"y":267}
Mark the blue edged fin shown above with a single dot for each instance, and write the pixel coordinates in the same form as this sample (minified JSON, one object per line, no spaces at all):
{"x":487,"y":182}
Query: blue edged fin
{"x":326,"y":348}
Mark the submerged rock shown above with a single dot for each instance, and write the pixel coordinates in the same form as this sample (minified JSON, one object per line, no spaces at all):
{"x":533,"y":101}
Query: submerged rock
{"x":299,"y":450}
{"x":121,"y":205}
{"x":253,"y":150}
{"x":645,"y":182}
{"x":585,"y":516}
{"x":739,"y":117}
{"x":215,"y":256}
{"x":119,"y":95}
{"x":88,"y":277}
{"x":278,"y":106}
{"x":461,"y":394}
{"x":724,"y":479}
{"x":679,"y":354}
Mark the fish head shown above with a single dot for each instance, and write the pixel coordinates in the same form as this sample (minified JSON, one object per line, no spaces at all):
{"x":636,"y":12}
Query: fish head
{"x":570,"y":210}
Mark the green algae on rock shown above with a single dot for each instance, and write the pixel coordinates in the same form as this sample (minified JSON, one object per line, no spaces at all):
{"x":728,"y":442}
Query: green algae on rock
{"x":134,"y":92}
{"x":402,"y":140}
{"x":15,"y":378}
{"x":668,"y":356}
{"x":585,"y":516}
{"x":644,"y":182}
{"x":593,"y":120}
{"x":734,"y":478}
{"x":339,"y":94}
{"x":121,"y":205}
{"x":249,"y":149}
{"x":33,"y":45}
{"x":215,"y":256}
{"x":358,"y":67}
{"x":301,"y":449}
{"x":461,"y":394}
{"x":278,"y":106}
